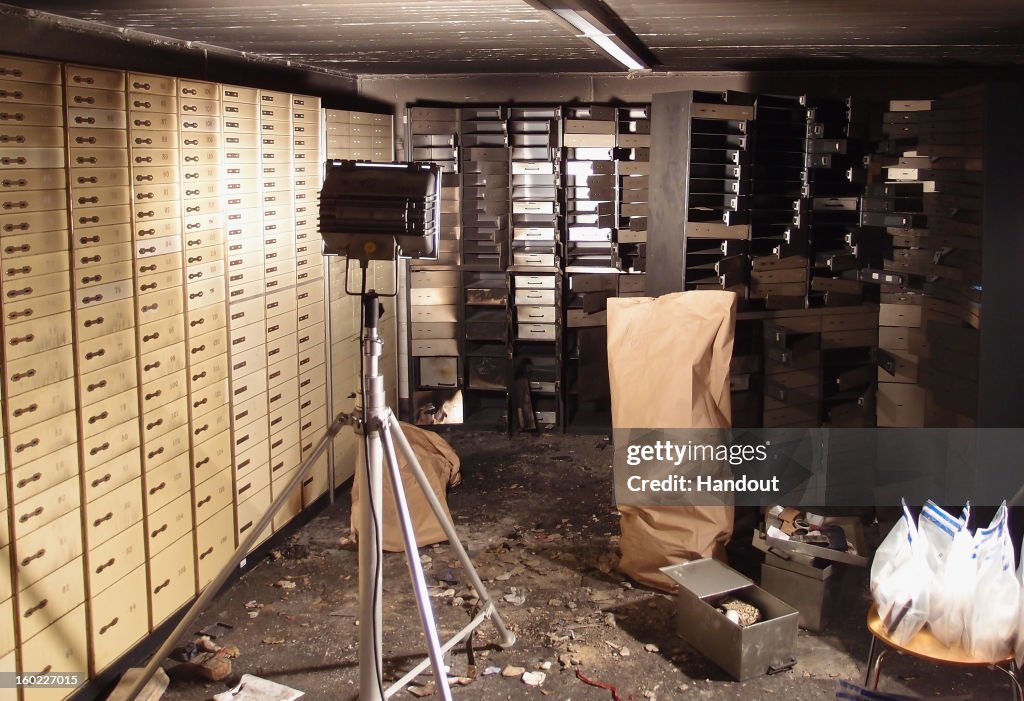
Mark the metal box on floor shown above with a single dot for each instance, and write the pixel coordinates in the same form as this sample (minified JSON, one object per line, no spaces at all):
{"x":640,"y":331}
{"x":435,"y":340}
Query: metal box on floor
{"x":806,"y":584}
{"x":743,"y":652}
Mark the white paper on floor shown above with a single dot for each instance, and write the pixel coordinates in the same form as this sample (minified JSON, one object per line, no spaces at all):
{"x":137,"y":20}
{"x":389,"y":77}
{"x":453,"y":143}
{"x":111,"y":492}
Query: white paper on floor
{"x":252,"y":688}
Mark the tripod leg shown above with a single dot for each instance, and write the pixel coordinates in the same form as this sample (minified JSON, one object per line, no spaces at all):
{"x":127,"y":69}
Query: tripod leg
{"x":508,"y":638}
{"x":415,"y":567}
{"x":371,"y":576}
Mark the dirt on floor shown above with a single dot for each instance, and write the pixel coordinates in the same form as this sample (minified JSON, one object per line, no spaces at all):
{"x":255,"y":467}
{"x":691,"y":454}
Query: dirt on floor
{"x":535,"y":513}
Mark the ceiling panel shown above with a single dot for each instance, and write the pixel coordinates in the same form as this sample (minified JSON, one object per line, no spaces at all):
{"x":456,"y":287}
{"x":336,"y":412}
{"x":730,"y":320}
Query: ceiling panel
{"x":748,"y":34}
{"x":511,"y":36}
{"x":360,"y":36}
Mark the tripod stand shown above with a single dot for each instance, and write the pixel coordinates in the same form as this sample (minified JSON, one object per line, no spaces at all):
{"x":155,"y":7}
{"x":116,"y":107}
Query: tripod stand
{"x":381,"y":434}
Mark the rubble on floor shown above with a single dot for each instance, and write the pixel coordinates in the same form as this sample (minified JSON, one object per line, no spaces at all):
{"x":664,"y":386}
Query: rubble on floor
{"x":546,"y":550}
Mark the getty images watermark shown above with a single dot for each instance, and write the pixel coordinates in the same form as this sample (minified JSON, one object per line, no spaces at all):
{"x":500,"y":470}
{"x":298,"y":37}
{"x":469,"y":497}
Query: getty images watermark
{"x":817,"y":466}
{"x":703,"y":463}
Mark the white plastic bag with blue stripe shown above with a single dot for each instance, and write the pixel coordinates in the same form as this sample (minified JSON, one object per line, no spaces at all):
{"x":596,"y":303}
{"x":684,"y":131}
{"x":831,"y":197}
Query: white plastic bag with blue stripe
{"x":950,"y":557}
{"x":901,"y":579}
{"x":992,"y":627}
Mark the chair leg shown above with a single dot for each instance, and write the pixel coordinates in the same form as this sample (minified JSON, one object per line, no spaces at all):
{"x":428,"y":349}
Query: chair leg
{"x":1015,"y":684}
{"x":871,"y":651}
{"x":877,"y":671}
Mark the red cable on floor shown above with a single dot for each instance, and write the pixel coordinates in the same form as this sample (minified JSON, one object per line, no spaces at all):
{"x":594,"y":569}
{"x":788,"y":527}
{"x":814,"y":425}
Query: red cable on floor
{"x":601,"y":685}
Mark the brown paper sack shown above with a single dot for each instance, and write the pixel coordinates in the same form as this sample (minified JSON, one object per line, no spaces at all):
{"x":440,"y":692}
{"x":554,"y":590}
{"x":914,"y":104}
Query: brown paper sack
{"x":441,"y":466}
{"x":668,"y":366}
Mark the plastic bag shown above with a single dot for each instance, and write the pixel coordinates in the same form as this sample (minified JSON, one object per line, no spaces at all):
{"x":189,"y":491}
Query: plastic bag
{"x":950,"y":556}
{"x":900,"y":580}
{"x":938,"y":526}
{"x":991,"y":627}
{"x":1019,"y":645}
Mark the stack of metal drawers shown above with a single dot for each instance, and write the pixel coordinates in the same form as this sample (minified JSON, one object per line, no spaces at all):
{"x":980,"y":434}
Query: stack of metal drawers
{"x":792,"y":369}
{"x":633,"y":154}
{"x":537,"y":351}
{"x":537,"y":258}
{"x":534,"y":135}
{"x":358,"y":136}
{"x":585,"y":355}
{"x":436,"y":376}
{"x":779,"y":237}
{"x":903,"y":178}
{"x":485,"y":209}
{"x":434,"y":299}
{"x":434,"y":131}
{"x":435,"y":286}
{"x":717,"y":216}
{"x":589,"y":139}
{"x":434,"y":138}
{"x":485,"y":250}
{"x":346,"y":138}
{"x":838,"y":249}
{"x":849,"y":341}
{"x":928,"y":193}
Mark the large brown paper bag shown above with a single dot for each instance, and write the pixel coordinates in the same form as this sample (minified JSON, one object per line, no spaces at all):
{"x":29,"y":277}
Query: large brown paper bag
{"x":441,"y":466}
{"x":668,"y":366}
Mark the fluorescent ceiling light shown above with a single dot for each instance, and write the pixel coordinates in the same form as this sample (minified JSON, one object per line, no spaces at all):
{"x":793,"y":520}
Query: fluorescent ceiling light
{"x":605,"y":40}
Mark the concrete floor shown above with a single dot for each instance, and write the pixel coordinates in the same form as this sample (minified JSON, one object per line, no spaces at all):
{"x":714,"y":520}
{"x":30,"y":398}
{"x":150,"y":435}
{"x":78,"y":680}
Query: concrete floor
{"x":535,"y":513}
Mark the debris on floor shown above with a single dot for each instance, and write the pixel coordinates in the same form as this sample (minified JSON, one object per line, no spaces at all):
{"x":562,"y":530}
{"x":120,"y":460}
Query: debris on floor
{"x":533,"y":678}
{"x":251,"y":688}
{"x":152,"y":690}
{"x":211,"y":666}
{"x":423,"y":691}
{"x":550,"y":547}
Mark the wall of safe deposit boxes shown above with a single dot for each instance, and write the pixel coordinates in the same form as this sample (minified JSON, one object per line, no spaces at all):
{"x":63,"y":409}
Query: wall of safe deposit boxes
{"x":165,"y":343}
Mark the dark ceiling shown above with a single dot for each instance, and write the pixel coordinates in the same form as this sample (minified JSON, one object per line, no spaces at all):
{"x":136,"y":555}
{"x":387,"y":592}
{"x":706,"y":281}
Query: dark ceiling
{"x":369,"y":37}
